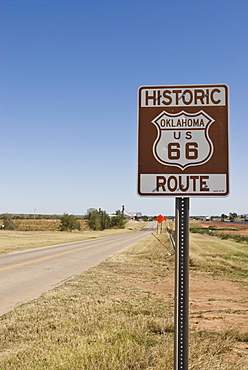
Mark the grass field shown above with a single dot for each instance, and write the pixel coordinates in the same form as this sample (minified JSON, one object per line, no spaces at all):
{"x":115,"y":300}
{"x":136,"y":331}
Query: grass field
{"x":119,"y":314}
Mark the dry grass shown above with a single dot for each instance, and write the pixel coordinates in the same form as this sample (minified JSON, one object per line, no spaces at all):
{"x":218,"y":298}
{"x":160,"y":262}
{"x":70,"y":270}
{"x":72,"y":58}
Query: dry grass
{"x":114,"y":316}
{"x":39,"y":225}
{"x":20,"y":240}
{"x":217,"y":256}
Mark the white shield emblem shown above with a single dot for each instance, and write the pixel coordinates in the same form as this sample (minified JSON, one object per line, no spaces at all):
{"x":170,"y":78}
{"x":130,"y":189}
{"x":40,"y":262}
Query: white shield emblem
{"x":183,"y":139}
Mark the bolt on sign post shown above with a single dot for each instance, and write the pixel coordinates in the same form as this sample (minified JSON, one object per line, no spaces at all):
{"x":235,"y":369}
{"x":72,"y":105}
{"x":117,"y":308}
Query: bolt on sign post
{"x":183,"y":151}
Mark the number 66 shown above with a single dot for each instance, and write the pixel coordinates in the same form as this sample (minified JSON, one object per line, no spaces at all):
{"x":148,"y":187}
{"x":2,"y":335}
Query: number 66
{"x":191,"y":150}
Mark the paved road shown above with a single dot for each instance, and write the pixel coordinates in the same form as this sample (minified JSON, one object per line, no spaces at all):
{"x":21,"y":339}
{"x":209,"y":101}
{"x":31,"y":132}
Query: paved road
{"x":25,"y":275}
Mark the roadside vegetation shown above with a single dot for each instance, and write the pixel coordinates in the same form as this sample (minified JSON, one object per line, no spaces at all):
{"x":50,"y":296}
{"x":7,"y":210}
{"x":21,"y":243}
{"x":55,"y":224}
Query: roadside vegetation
{"x":69,"y":223}
{"x":119,"y":314}
{"x":8,"y":223}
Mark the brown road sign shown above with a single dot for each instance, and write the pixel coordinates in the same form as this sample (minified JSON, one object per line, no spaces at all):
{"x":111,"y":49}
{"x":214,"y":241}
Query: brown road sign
{"x":183,"y":140}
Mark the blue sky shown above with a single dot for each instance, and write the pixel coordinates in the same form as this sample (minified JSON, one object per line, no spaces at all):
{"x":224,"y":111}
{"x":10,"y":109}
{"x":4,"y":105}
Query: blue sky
{"x":69,"y":74}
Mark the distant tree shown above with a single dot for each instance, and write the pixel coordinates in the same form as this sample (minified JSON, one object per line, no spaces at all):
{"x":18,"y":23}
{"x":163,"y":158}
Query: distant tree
{"x":104,"y":220}
{"x":8,"y":222}
{"x":118,"y":221}
{"x":93,"y":219}
{"x":223,"y":216}
{"x":98,"y":220}
{"x":69,"y":223}
{"x":232,"y":216}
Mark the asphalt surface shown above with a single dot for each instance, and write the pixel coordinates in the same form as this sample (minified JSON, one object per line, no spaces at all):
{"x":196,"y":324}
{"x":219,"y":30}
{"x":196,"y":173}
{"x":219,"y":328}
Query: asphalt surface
{"x":25,"y":275}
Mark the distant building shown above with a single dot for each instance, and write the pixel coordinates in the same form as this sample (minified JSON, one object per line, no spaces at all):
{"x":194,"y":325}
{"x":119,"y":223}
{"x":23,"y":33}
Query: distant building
{"x":132,"y":215}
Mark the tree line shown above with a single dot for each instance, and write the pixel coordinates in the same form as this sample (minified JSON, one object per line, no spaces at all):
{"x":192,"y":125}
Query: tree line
{"x":231,"y":217}
{"x":96,"y":220}
{"x":100,"y":220}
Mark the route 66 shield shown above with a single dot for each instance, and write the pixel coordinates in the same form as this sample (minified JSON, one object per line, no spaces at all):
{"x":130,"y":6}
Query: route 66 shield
{"x":183,"y":139}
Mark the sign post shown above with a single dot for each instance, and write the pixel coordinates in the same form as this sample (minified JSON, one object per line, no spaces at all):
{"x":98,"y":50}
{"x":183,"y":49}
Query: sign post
{"x":181,"y":303}
{"x":183,"y":151}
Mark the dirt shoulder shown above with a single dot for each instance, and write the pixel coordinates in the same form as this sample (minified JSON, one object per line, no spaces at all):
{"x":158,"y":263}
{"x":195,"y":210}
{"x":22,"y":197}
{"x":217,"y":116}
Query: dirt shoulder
{"x":218,"y":304}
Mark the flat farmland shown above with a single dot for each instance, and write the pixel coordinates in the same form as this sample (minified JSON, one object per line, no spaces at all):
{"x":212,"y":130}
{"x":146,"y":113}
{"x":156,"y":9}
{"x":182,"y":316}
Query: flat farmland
{"x":41,"y":225}
{"x":229,"y":227}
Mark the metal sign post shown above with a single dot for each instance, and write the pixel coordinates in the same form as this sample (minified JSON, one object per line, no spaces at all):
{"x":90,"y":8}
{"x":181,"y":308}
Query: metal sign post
{"x":181,"y":307}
